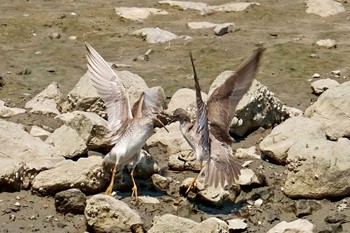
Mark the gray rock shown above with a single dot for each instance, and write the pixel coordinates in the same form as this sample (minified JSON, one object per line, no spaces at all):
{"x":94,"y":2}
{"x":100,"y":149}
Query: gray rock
{"x":324,"y":8}
{"x":146,"y":166}
{"x":308,"y":159}
{"x":8,"y":112}
{"x":47,"y":101}
{"x":184,"y":98}
{"x":70,"y":201}
{"x":68,"y":142}
{"x":155,"y":35}
{"x":22,"y":156}
{"x":326,"y":43}
{"x":333,"y":110}
{"x":306,"y":207}
{"x":138,"y":14}
{"x":222,"y":29}
{"x":90,"y":127}
{"x":105,"y":214}
{"x":184,"y":160}
{"x":161,"y":183}
{"x":319,"y":86}
{"x":282,"y":137}
{"x":299,"y":226}
{"x":174,"y":224}
{"x":86,"y":174}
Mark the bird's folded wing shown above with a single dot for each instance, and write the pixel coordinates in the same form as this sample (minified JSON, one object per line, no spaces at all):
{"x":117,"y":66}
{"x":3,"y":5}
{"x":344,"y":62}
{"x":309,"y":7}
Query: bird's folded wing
{"x":110,"y":89}
{"x":223,"y":101}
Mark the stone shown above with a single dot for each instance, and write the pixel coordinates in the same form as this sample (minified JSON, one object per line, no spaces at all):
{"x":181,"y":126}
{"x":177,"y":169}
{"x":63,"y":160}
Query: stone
{"x":47,"y":101}
{"x":68,"y":142}
{"x":161,"y":183}
{"x":248,"y":177}
{"x":22,"y":156}
{"x":222,"y":29}
{"x":201,"y":25}
{"x":138,"y":14}
{"x":320,"y":86}
{"x":276,"y":145}
{"x":85,"y":174}
{"x":70,"y":201}
{"x":324,"y":8}
{"x":173,"y":224}
{"x":332,"y":108}
{"x":105,"y":214}
{"x":247,"y":153}
{"x":155,"y":35}
{"x":326,"y":43}
{"x":184,"y":160}
{"x":306,"y":207}
{"x":299,"y":225}
{"x":237,"y":224}
{"x":9,"y":112}
{"x":146,"y":166}
{"x":308,"y":159}
{"x":148,"y":200}
{"x":37,"y":131}
{"x":184,"y":98}
{"x":90,"y":127}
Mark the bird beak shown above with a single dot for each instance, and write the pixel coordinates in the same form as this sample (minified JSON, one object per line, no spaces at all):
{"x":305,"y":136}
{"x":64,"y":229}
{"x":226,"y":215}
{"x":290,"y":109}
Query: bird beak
{"x":160,"y":122}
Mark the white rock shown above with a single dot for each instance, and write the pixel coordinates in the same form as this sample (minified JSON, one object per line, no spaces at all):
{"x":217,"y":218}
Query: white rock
{"x":248,"y":177}
{"x":222,"y":29}
{"x":316,"y":75}
{"x":247,"y":153}
{"x":23,"y":156}
{"x":104,"y":213}
{"x":184,"y":98}
{"x":307,"y":162}
{"x":89,"y":126}
{"x":297,"y":226}
{"x":237,"y":224}
{"x":37,"y":131}
{"x":233,"y":6}
{"x":68,"y":142}
{"x":333,"y":110}
{"x":327,"y":43}
{"x":283,"y":136}
{"x":319,"y":86}
{"x":148,"y":200}
{"x":324,"y":8}
{"x":84,"y":174}
{"x":174,"y":224}
{"x":8,"y":112}
{"x":291,"y":112}
{"x":201,"y":25}
{"x":155,"y":35}
{"x":138,"y":14}
{"x":47,"y":101}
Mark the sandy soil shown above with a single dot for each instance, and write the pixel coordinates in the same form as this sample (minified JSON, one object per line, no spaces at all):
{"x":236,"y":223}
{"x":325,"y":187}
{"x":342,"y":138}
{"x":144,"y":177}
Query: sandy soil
{"x":30,"y":60}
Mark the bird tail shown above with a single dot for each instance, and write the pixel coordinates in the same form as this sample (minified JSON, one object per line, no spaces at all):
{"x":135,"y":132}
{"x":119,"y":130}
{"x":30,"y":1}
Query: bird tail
{"x":222,"y":172}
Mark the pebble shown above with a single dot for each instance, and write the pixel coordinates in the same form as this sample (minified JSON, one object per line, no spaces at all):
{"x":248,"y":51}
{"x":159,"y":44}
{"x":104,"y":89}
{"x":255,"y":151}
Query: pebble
{"x":55,"y":35}
{"x":316,"y":75}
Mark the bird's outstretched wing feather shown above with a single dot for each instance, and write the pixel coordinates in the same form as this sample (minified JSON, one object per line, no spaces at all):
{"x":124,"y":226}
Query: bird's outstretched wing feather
{"x":148,"y":103}
{"x":223,"y":101}
{"x":111,"y":90}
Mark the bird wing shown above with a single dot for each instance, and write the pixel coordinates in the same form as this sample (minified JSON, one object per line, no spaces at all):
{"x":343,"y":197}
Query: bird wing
{"x":111,"y":90}
{"x":148,"y":103}
{"x":223,"y":101}
{"x":201,"y":117}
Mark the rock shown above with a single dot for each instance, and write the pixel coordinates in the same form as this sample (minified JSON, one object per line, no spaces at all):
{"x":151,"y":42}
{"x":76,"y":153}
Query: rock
{"x":184,"y":160}
{"x":105,"y":214}
{"x":319,"y":86}
{"x":333,"y":110}
{"x":209,"y":196}
{"x":282,"y":137}
{"x":247,"y":153}
{"x":8,"y":112}
{"x":316,"y":75}
{"x":201,"y":25}
{"x":324,"y":8}
{"x":84,"y":97}
{"x":222,"y":29}
{"x":291,"y":112}
{"x":173,"y":224}
{"x":306,"y":207}
{"x":89,"y":126}
{"x":47,"y":101}
{"x":205,"y":9}
{"x":237,"y":224}
{"x":161,"y":183}
{"x":138,"y":14}
{"x":37,"y":131}
{"x":22,"y":156}
{"x":300,"y":226}
{"x":146,"y":166}
{"x":248,"y":177}
{"x":55,"y":35}
{"x":327,"y":43}
{"x":308,"y":159}
{"x":155,"y":35}
{"x":67,"y":141}
{"x":86,"y":174}
{"x":70,"y":201}
{"x":148,"y":200}
{"x":171,"y":142}
{"x":257,"y":108}
{"x":184,"y":98}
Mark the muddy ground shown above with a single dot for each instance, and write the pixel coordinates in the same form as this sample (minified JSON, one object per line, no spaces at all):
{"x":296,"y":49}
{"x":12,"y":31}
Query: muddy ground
{"x":30,"y":60}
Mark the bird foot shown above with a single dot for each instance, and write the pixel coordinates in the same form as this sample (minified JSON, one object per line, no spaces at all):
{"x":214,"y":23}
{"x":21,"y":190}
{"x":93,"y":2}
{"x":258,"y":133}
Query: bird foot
{"x":134,"y":192}
{"x":109,"y":190}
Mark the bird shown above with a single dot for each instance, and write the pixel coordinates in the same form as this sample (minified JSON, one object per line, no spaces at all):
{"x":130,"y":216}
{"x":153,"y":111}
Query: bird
{"x":129,"y":128}
{"x":209,"y":134}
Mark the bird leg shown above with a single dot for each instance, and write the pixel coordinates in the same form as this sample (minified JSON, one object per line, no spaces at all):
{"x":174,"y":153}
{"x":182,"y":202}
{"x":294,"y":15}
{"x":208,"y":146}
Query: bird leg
{"x":109,"y":190}
{"x":134,"y":188}
{"x":194,"y":180}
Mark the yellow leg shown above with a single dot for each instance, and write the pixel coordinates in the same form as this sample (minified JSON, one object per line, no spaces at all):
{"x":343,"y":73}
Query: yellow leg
{"x":109,"y":190}
{"x":194,"y":180}
{"x":134,"y":188}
